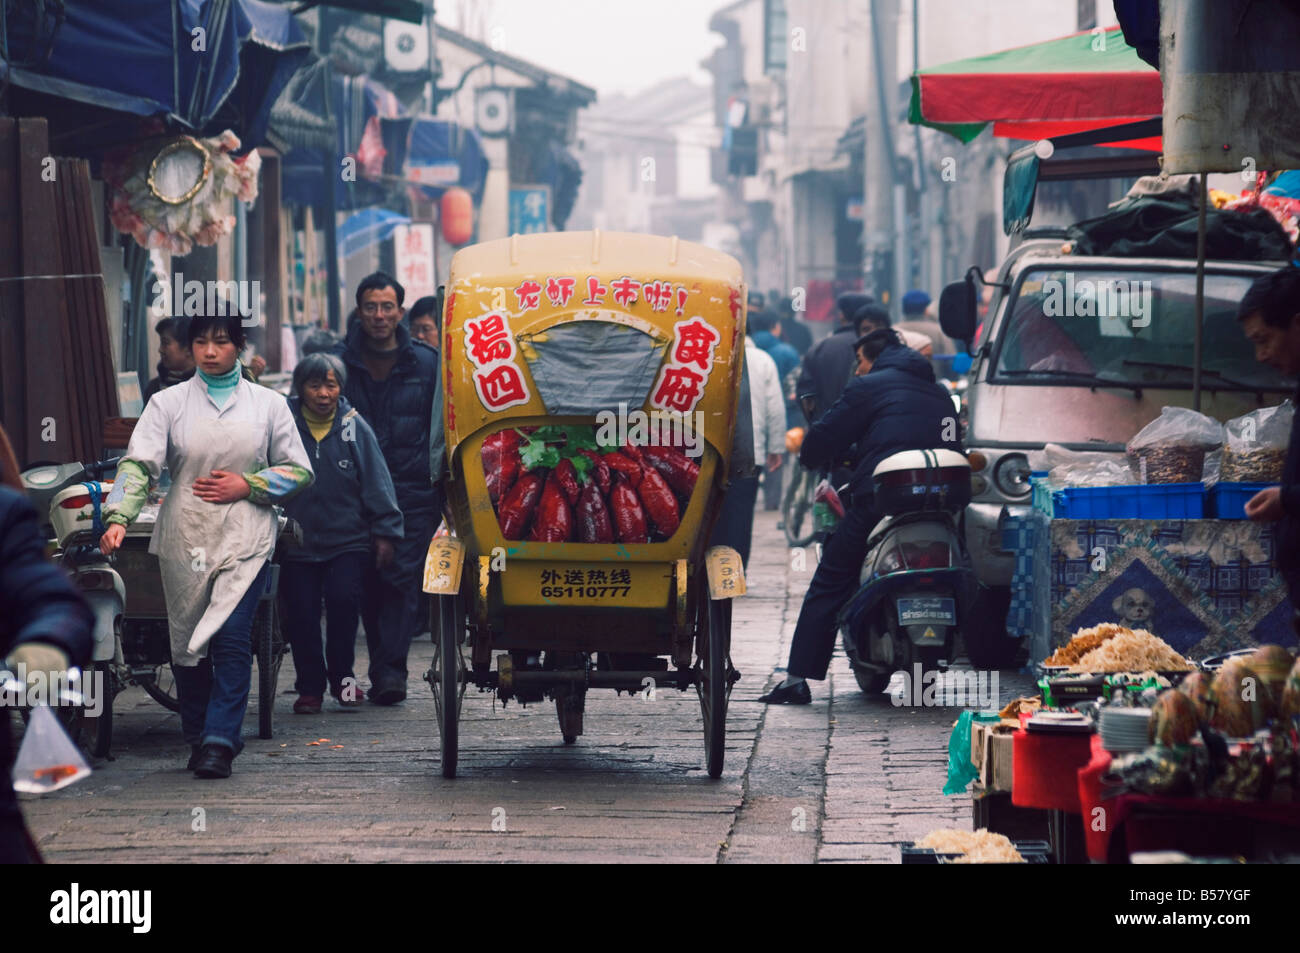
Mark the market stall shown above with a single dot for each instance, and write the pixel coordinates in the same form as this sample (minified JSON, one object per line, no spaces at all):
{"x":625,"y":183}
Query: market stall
{"x":1133,"y":749}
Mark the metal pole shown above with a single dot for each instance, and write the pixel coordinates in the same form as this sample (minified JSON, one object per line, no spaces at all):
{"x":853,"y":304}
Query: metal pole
{"x":1199,"y":332}
{"x":880,"y":159}
{"x":923,"y":250}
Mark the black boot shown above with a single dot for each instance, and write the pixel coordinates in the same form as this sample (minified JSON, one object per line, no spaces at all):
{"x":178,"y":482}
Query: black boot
{"x":214,"y":762}
{"x":195,"y":751}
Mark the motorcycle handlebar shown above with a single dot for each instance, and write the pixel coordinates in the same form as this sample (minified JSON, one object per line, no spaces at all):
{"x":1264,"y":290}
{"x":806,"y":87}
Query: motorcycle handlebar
{"x":98,"y":469}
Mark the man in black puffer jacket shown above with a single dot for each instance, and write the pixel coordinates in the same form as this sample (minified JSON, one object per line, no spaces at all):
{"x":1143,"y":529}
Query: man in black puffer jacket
{"x":894,"y":405}
{"x":45,"y":627}
{"x":391,"y":382}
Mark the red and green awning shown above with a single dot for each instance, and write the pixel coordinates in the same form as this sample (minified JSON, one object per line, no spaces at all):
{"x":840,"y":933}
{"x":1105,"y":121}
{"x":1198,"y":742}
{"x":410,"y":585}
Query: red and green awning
{"x":1074,"y":84}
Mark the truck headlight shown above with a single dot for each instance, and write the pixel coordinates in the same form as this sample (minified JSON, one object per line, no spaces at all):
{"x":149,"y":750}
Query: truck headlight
{"x":1011,"y":475}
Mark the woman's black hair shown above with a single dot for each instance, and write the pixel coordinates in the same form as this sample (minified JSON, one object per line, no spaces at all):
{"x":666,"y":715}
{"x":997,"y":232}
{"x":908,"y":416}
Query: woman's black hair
{"x":232,"y":322}
{"x":1275,"y":297}
{"x":877,"y":342}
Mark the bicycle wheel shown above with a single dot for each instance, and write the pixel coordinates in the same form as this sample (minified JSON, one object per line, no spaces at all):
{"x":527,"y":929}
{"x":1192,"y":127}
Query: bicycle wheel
{"x":269,"y":645}
{"x":796,"y":509}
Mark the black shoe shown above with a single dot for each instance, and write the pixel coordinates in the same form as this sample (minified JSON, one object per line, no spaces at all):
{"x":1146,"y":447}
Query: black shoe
{"x":389,"y":695}
{"x":214,"y":762}
{"x":193,"y":763}
{"x":799,"y":694}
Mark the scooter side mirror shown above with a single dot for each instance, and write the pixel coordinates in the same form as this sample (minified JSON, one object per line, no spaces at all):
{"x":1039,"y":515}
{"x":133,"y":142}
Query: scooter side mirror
{"x":957,"y":310}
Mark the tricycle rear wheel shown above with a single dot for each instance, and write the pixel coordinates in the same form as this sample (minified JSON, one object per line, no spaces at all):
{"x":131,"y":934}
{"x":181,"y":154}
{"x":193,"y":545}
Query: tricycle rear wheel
{"x":269,"y":642}
{"x":445,"y":680}
{"x":714,"y":683}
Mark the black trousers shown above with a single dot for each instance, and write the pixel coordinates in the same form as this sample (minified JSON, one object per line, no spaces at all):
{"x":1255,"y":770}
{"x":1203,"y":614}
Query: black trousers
{"x":390,"y":602}
{"x":735,"y":526}
{"x":835,"y":580}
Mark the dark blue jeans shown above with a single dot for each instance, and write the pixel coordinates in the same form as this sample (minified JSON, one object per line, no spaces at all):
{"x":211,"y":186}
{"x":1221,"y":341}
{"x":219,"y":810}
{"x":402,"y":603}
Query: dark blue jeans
{"x":302,"y":587}
{"x":214,"y":693}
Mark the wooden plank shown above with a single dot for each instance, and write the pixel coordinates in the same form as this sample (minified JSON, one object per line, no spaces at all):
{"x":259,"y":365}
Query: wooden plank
{"x":45,"y":326}
{"x":88,"y":324}
{"x":85,"y":385}
{"x":13,"y":373}
{"x":98,"y":306}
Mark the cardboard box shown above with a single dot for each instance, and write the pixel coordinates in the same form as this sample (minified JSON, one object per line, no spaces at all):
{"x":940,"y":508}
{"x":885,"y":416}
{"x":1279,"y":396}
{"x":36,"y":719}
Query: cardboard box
{"x":991,"y":753}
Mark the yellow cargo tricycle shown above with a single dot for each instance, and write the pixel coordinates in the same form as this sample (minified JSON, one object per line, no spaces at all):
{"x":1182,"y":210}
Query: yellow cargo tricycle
{"x":588,"y":411}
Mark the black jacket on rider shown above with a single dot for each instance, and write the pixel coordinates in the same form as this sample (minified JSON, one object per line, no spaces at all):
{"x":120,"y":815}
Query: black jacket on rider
{"x":826,"y":368}
{"x":896,"y":406}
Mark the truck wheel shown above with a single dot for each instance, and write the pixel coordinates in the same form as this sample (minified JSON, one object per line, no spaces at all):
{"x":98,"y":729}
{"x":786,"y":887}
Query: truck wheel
{"x":985,"y":630}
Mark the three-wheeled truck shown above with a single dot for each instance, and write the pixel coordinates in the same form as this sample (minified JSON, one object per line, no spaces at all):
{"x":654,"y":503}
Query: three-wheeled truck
{"x":588,"y":410}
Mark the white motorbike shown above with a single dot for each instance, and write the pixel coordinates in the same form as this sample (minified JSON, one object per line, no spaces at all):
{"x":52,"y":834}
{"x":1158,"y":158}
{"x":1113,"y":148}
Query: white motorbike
{"x":73,"y":495}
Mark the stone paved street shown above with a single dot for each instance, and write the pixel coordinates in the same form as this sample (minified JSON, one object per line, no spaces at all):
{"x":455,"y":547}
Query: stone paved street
{"x":845,"y":779}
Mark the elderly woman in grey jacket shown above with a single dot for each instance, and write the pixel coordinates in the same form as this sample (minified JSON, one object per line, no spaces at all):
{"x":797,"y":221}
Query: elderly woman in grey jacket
{"x":348,"y":516}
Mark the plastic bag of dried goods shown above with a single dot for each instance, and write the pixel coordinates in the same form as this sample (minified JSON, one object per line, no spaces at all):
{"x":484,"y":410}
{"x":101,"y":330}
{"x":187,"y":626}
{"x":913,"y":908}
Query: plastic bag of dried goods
{"x":1172,"y":448}
{"x":1255,"y":445}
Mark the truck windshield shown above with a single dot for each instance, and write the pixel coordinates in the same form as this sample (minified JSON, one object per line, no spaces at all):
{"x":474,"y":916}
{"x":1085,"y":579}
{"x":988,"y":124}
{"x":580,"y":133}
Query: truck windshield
{"x":1133,"y":328}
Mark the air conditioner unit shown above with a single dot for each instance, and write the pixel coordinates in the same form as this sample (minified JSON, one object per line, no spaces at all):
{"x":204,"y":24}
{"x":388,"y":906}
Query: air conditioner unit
{"x":492,"y":112}
{"x":406,"y":46}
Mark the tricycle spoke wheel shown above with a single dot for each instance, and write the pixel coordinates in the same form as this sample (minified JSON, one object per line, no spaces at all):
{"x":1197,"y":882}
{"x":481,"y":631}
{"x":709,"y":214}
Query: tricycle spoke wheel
{"x":162,"y":687}
{"x":269,"y":645}
{"x":714,"y":682}
{"x":446,"y":678}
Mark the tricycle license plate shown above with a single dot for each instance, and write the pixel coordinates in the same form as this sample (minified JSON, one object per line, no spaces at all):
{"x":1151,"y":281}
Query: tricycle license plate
{"x":927,"y":610}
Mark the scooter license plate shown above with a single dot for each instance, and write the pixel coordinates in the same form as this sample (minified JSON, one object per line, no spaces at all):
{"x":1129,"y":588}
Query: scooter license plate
{"x":927,"y":610}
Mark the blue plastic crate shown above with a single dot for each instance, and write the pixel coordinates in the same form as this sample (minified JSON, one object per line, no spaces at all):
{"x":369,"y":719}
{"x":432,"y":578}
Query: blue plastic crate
{"x":1149,"y":502}
{"x":1227,"y":501}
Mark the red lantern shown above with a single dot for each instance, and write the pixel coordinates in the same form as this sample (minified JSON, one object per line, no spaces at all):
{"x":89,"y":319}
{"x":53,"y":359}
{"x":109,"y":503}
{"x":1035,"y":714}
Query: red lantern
{"x":457,"y":213}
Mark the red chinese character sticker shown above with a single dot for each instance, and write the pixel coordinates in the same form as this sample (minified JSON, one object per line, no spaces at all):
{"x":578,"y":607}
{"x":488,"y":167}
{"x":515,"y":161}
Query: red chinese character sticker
{"x":559,"y":291}
{"x":500,"y":386}
{"x":679,"y":389}
{"x":595,"y":291}
{"x":488,"y":339}
{"x":529,"y":294}
{"x":658,"y":294}
{"x":625,"y":290}
{"x":695,"y":342}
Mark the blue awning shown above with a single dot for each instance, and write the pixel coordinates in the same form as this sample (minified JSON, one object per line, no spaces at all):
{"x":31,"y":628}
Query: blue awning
{"x":358,"y":232}
{"x":431,"y":155}
{"x":205,"y":64}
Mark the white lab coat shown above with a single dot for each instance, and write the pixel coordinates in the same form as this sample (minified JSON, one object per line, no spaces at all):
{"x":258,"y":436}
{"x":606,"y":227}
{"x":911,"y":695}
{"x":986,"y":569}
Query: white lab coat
{"x":210,"y":553}
{"x":767,"y":402}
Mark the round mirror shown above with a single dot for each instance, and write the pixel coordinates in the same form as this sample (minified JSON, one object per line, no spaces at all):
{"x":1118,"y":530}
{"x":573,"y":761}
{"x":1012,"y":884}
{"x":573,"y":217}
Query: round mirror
{"x":179,"y":171}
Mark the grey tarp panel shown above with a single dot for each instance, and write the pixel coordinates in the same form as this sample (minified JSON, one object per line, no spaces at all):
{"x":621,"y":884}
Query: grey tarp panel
{"x":584,"y":367}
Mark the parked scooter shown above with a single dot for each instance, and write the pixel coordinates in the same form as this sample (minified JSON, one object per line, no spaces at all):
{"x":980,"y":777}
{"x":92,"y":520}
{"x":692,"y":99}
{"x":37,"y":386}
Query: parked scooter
{"x":917,"y":579}
{"x":73,"y":496}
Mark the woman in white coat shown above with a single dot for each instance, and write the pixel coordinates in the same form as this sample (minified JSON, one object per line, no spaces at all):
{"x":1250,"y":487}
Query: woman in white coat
{"x":233,"y":450}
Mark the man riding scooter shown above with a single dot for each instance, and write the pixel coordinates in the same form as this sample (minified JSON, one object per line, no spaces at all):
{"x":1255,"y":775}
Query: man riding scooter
{"x":894,"y":405}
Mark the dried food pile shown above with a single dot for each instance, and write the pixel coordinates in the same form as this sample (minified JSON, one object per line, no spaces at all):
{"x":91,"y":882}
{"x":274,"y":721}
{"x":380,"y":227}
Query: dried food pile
{"x":1114,"y":648}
